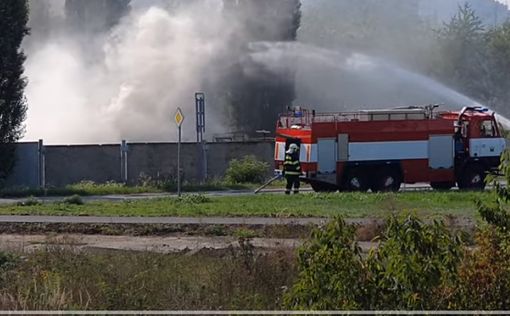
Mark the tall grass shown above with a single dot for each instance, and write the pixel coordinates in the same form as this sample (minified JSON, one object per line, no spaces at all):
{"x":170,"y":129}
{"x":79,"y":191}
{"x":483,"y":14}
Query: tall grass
{"x":59,"y":278}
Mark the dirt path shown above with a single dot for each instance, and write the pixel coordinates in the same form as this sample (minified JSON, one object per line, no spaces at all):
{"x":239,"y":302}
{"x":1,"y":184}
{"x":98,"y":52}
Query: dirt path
{"x":167,"y":220}
{"x":30,"y":243}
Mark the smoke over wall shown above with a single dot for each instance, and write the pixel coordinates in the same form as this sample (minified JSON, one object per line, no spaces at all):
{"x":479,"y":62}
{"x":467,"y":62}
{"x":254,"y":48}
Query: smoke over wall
{"x":125,"y":80}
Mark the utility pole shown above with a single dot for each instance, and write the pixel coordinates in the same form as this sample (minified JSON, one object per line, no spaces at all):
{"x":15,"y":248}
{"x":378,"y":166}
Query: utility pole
{"x":201,"y":144}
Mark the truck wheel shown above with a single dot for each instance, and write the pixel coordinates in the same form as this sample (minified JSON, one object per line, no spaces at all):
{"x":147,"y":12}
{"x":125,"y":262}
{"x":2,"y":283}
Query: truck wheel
{"x":442,"y":185}
{"x":323,"y":187}
{"x":473,"y":178}
{"x":386,"y":180}
{"x":355,"y":180}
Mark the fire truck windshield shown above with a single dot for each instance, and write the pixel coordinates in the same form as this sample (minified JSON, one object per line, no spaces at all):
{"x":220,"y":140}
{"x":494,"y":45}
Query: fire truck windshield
{"x":487,"y":129}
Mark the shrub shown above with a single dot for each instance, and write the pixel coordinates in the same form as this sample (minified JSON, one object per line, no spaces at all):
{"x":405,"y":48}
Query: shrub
{"x":330,"y":271}
{"x":246,"y":170}
{"x":412,"y":266}
{"x":31,"y":201}
{"x":484,"y":277}
{"x":74,"y":199}
{"x":7,"y":261}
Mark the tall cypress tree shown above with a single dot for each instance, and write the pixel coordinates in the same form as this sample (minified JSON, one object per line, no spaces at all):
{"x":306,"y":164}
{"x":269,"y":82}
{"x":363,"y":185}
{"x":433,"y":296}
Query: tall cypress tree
{"x":13,"y":106}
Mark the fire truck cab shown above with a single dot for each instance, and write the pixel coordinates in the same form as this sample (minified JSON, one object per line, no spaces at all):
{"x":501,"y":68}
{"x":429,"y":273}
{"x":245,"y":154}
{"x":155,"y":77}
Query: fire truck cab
{"x":381,"y":149}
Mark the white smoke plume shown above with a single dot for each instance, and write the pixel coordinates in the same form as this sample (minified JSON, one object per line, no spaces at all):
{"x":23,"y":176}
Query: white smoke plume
{"x":127,"y":83}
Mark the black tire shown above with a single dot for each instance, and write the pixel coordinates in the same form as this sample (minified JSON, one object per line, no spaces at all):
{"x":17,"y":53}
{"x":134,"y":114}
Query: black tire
{"x":323,"y":187}
{"x":473,"y":178}
{"x":386,"y":180}
{"x":355,"y":180}
{"x":442,"y":186}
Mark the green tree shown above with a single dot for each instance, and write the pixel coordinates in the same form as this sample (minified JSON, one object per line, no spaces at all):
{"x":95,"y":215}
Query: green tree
{"x":462,"y":54}
{"x":498,"y":56}
{"x":13,"y":106}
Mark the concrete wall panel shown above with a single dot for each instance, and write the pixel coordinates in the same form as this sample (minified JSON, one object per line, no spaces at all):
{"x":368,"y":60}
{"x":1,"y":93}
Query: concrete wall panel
{"x":159,"y":161}
{"x":72,"y":164}
{"x":26,"y":168}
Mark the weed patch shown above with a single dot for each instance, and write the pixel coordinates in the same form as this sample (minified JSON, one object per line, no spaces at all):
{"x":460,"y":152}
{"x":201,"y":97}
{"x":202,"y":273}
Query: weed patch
{"x":62,"y":279}
{"x":74,"y":200}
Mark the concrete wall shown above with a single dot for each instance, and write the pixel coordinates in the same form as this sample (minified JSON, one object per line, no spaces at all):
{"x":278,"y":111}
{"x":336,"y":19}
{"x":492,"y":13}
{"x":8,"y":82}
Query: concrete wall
{"x":26,"y":170}
{"x":72,"y":164}
{"x":101,"y":163}
{"x":159,"y":161}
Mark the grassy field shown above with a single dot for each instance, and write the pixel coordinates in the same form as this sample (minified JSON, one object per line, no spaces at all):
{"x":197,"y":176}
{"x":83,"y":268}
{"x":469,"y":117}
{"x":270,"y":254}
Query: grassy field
{"x":425,"y":204}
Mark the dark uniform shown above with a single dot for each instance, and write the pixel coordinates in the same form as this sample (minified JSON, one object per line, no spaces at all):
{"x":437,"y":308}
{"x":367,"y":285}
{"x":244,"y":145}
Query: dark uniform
{"x":292,"y":171}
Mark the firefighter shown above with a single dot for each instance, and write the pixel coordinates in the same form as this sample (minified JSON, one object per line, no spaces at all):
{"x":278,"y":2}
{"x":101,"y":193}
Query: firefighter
{"x":292,"y":169}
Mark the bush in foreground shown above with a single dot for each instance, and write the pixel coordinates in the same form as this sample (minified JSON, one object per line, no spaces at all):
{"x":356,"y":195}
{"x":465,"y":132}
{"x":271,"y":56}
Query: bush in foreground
{"x":408,"y":270}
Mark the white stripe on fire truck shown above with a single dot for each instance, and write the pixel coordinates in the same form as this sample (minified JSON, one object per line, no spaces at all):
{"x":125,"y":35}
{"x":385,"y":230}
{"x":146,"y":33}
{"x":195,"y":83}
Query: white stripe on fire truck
{"x":366,"y":151}
{"x":308,"y":152}
{"x":280,"y":151}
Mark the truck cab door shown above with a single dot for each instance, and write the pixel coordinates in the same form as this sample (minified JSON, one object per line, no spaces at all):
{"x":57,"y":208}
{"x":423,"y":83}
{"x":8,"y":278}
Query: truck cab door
{"x":486,"y":141}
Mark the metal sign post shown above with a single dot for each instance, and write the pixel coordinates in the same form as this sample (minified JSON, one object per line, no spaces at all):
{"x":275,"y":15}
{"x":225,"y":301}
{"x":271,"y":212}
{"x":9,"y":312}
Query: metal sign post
{"x":200,"y":118}
{"x":179,"y":118}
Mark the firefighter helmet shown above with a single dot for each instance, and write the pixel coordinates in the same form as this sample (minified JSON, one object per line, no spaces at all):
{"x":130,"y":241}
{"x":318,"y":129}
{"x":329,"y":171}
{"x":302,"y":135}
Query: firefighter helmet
{"x":293,"y":148}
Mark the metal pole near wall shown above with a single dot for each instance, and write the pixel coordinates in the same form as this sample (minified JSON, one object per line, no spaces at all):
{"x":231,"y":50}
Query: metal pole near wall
{"x":42,"y":164}
{"x":179,"y":118}
{"x":124,"y":161}
{"x":200,"y":118}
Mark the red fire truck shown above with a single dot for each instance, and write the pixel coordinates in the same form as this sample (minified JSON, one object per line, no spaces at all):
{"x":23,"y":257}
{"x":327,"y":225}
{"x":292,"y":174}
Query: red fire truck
{"x":381,"y":149}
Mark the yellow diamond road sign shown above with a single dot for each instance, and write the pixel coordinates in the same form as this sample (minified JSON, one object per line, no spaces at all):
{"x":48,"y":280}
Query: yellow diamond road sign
{"x":178,"y":117}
